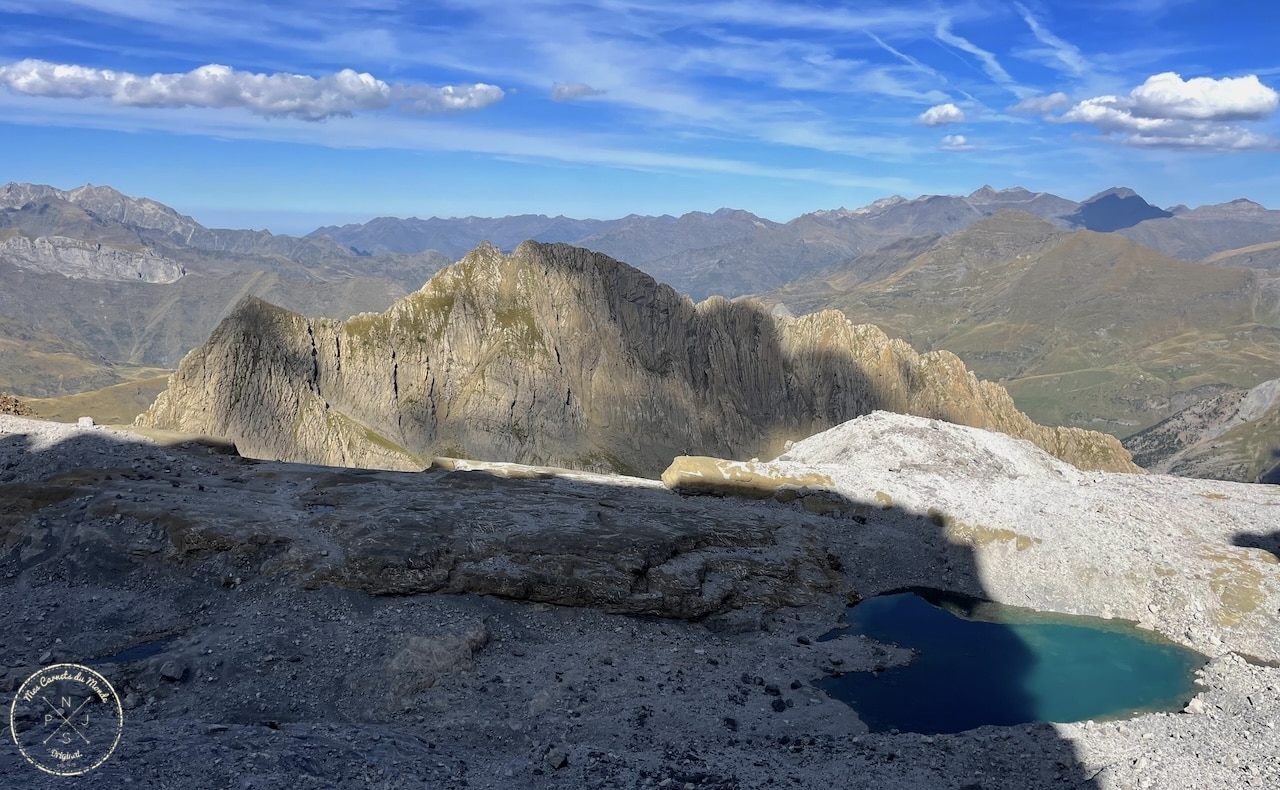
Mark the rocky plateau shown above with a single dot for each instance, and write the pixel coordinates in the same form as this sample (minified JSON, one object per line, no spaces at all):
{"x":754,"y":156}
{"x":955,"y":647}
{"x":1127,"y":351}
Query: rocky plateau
{"x":495,"y":625}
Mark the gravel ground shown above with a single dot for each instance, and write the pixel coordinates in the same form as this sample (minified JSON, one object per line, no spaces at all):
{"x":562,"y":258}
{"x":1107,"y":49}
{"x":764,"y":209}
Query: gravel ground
{"x":260,"y":682}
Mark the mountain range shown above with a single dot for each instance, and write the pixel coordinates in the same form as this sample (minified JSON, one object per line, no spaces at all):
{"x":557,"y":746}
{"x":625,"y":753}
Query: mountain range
{"x":102,"y":289}
{"x":1084,"y":328}
{"x":733,"y":252}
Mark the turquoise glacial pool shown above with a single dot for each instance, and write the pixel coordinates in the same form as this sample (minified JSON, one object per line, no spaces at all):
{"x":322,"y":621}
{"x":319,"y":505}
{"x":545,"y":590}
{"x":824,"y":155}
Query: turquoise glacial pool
{"x":979,"y":662}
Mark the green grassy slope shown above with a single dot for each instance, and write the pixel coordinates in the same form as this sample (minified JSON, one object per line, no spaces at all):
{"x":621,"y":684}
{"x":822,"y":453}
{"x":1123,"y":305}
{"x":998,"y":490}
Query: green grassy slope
{"x":1084,"y":329}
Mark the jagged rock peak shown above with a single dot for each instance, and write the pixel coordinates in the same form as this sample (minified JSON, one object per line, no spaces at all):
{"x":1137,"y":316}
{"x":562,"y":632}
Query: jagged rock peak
{"x":881,"y":204}
{"x":987,"y":192}
{"x":555,"y":355}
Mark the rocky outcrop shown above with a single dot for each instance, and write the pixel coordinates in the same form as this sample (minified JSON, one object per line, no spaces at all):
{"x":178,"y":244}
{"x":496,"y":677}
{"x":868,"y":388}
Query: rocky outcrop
{"x":701,"y":475}
{"x":11,"y":405}
{"x":355,"y":627}
{"x":878,"y":503}
{"x":88,"y":260}
{"x":1044,"y":531}
{"x":1233,"y":435}
{"x":558,"y":356}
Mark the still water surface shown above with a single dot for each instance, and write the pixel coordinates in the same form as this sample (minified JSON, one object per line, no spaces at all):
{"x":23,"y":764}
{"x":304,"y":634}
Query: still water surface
{"x":979,"y":662}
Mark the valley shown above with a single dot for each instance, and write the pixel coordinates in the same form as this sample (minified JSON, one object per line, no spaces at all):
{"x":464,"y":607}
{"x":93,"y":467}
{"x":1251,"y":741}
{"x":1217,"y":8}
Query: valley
{"x":1044,"y":295}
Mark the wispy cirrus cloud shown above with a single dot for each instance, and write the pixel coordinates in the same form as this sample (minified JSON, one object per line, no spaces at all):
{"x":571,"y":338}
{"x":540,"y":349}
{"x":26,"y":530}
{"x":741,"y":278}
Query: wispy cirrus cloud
{"x":664,"y":63}
{"x":910,"y":61}
{"x":990,"y":64}
{"x":1067,"y":55}
{"x":215,"y":86}
{"x":399,"y":132}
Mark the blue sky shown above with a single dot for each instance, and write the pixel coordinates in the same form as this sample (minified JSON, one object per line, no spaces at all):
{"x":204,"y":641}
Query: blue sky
{"x":289,"y":115}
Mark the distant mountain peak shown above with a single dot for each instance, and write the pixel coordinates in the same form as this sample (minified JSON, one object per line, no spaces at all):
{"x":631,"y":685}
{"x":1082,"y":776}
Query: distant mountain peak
{"x":100,"y":191}
{"x":987,"y":192}
{"x":1246,"y":203}
{"x":1120,"y":192}
{"x":833,"y":212}
{"x":876,"y":206}
{"x":1114,"y":209}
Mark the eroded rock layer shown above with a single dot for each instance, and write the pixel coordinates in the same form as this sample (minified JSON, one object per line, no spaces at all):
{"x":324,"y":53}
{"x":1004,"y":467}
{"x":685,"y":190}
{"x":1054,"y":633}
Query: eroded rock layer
{"x":556,"y":355}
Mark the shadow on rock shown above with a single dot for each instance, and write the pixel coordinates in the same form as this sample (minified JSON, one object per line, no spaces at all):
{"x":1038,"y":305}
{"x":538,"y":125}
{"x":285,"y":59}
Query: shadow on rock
{"x":308,"y":625}
{"x":1269,"y":543}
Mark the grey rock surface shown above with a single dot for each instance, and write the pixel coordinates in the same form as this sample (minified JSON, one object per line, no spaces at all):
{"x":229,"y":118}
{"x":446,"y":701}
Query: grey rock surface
{"x":88,"y":260}
{"x":299,"y":601}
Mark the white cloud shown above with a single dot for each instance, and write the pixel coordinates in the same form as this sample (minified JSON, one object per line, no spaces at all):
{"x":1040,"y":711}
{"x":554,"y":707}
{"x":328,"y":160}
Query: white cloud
{"x":216,"y":86}
{"x":1042,"y":104}
{"x":450,"y":98}
{"x":956,"y":142}
{"x":1167,"y":95}
{"x":1171,"y":112}
{"x":566,"y":91}
{"x":398,"y":132}
{"x":941,"y":115}
{"x":1067,"y":54}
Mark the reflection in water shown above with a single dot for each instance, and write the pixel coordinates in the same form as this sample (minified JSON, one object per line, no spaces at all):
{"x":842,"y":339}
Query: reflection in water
{"x":979,"y":662}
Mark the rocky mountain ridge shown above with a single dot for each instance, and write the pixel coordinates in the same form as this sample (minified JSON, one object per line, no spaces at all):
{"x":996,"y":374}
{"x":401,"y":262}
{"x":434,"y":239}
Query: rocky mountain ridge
{"x":162,"y":225}
{"x":559,"y":356}
{"x":1085,"y":328}
{"x":104,"y":216}
{"x":1207,"y":232}
{"x":728,"y":252}
{"x":731,"y":252}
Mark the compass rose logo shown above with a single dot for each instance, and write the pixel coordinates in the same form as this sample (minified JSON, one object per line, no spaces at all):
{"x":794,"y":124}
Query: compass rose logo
{"x":66,"y":719}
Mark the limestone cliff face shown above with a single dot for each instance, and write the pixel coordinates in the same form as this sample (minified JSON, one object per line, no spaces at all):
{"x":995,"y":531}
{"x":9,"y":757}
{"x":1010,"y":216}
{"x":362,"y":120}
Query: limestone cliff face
{"x":88,"y":260}
{"x":555,"y":355}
